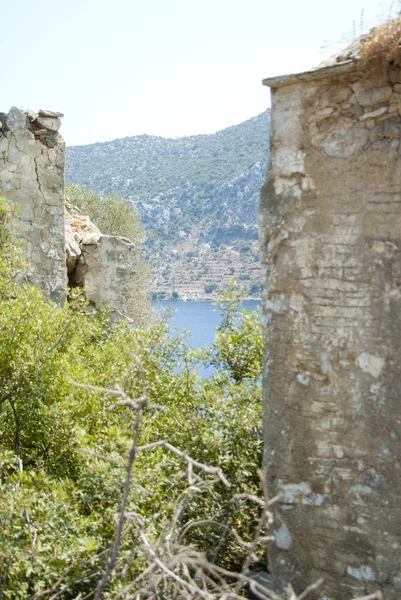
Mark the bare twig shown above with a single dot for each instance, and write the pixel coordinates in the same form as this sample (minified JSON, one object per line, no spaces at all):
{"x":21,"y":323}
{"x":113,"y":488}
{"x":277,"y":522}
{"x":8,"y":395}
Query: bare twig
{"x":265,"y":521}
{"x":251,"y":498}
{"x":148,"y":571}
{"x":127,"y":486}
{"x":187,"y":586}
{"x":118,"y":392}
{"x":309,"y":589}
{"x":244,"y":579}
{"x":206,"y":468}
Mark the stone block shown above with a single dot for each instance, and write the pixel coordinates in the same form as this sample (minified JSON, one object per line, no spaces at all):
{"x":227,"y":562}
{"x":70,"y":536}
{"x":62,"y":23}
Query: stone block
{"x":49,"y":123}
{"x":369,"y":96}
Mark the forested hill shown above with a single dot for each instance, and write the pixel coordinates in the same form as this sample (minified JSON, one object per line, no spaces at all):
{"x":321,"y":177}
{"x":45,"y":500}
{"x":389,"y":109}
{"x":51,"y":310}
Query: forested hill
{"x":176,"y":182}
{"x":189,"y":191}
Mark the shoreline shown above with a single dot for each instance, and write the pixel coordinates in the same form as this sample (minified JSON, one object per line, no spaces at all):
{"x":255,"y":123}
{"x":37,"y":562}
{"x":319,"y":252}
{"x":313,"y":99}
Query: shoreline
{"x":252,"y":298}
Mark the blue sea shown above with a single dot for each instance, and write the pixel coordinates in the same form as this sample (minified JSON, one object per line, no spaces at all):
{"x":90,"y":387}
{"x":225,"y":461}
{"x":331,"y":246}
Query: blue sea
{"x":201,"y":319}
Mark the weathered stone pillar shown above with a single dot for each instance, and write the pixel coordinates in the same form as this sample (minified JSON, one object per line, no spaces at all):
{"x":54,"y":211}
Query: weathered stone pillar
{"x":32,"y":166}
{"x":111,"y":280}
{"x":330,"y":230}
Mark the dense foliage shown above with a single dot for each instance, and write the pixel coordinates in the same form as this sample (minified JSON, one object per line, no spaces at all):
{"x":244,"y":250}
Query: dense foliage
{"x":211,"y":181}
{"x":112,"y":214}
{"x":238,"y":348}
{"x":63,"y":448}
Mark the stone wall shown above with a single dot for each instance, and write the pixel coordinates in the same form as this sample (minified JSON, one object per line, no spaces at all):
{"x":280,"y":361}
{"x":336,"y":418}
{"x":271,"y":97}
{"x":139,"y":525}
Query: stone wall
{"x":62,"y":246}
{"x":330,"y":231}
{"x":103,"y":265}
{"x":32,"y":159}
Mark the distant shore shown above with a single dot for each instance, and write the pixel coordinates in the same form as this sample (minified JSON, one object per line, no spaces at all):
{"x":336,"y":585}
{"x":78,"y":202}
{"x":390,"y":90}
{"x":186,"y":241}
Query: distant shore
{"x":201,"y":299}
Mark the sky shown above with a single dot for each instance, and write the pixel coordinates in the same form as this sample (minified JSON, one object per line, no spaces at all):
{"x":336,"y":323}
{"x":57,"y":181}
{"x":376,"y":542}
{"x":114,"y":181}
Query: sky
{"x":171,"y":68}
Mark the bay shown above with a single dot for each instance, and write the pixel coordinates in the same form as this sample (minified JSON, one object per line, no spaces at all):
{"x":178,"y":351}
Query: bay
{"x":200,"y":319}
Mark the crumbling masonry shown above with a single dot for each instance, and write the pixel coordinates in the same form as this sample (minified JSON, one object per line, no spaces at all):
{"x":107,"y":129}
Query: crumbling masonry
{"x":330,"y":231}
{"x":32,"y":158}
{"x":61,"y":247}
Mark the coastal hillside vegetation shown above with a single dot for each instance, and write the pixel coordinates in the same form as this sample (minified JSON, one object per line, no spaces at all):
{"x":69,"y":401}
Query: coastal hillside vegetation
{"x":69,"y":385}
{"x":192,"y":194}
{"x":112,"y":214}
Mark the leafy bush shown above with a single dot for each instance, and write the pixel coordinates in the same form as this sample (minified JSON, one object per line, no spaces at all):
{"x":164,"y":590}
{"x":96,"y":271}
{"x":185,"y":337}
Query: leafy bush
{"x":210,"y":288}
{"x":238,"y":348}
{"x":255,"y":288}
{"x":63,"y":448}
{"x":112,"y":214}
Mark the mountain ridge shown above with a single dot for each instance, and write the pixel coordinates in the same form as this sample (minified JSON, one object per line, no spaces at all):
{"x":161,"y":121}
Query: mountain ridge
{"x":189,"y":191}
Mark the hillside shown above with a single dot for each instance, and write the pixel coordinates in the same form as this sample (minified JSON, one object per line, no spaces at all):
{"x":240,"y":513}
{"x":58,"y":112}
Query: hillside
{"x":194,"y":194}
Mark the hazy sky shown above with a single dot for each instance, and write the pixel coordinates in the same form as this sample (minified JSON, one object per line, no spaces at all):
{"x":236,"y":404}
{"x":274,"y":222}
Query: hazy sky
{"x":164,"y":67}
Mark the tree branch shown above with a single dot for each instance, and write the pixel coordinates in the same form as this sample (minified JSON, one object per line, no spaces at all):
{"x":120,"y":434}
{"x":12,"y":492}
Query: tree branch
{"x":206,"y":468}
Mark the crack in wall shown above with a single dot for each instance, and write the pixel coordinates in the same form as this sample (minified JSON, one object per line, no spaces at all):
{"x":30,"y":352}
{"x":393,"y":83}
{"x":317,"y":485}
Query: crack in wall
{"x":34,"y":182}
{"x":331,"y":373}
{"x":35,"y":160}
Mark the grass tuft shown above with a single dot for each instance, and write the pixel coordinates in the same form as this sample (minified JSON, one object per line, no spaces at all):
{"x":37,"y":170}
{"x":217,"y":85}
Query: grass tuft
{"x":381,"y":49}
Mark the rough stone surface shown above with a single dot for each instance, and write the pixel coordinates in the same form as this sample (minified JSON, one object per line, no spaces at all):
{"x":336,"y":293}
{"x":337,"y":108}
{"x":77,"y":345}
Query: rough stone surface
{"x":330,"y":232}
{"x":49,"y":123}
{"x":32,"y":179}
{"x":368,"y":95}
{"x":79,"y":231}
{"x":62,"y":246}
{"x":101,"y":264}
{"x":109,"y":280}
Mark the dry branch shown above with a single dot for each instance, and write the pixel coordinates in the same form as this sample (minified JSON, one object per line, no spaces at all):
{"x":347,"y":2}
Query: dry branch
{"x":176,"y":570}
{"x":127,"y":487}
{"x":206,"y":468}
{"x":381,"y":49}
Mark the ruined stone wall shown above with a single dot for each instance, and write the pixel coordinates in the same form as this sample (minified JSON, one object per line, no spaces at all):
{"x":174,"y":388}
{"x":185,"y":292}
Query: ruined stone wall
{"x":330,"y":231}
{"x":32,"y":159}
{"x":61,"y":246}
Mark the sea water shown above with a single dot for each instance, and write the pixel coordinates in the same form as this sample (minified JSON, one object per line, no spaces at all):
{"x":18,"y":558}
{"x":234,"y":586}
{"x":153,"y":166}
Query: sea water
{"x":200,"y":319}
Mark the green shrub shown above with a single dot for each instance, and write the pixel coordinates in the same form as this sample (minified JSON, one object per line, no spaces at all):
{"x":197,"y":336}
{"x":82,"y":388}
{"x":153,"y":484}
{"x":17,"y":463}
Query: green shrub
{"x":210,"y":288}
{"x":255,"y":288}
{"x":112,"y":214}
{"x":238,"y":349}
{"x":63,"y":448}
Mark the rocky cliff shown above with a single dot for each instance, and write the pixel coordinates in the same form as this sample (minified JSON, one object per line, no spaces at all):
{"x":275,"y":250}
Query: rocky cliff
{"x":62,"y":247}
